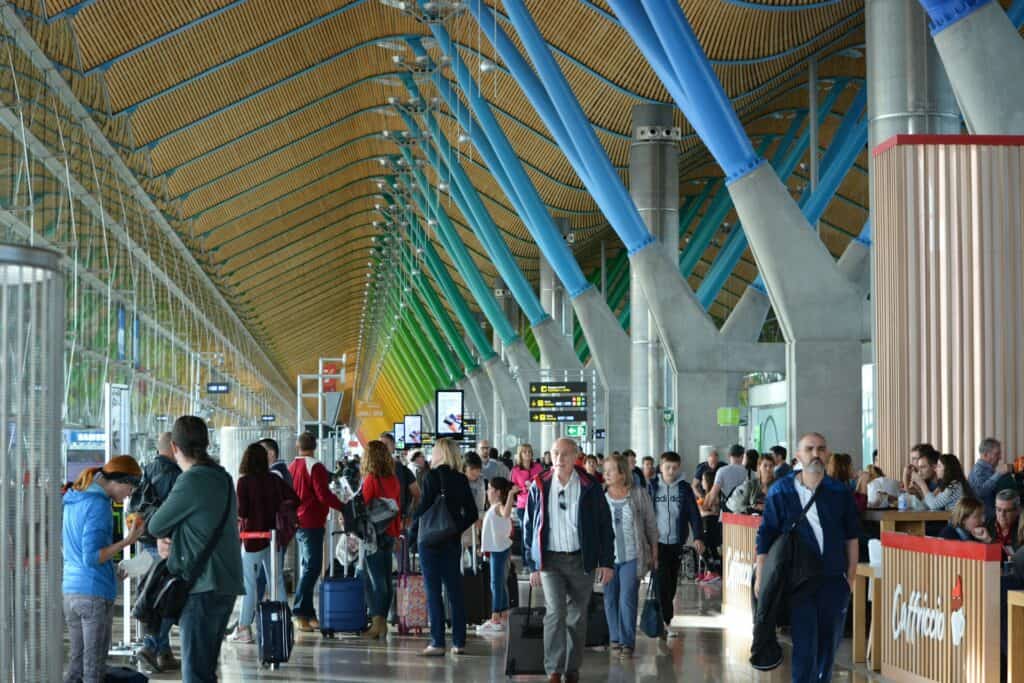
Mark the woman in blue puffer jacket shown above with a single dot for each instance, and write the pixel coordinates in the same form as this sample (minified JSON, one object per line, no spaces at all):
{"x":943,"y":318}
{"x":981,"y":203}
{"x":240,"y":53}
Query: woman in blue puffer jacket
{"x":89,"y":585}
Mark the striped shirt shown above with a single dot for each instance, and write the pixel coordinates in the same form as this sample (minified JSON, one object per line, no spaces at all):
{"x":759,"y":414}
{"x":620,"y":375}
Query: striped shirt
{"x":563,"y":529}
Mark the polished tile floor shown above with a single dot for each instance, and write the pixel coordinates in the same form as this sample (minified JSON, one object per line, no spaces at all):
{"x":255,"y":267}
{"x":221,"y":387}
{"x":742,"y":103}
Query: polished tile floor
{"x":709,"y":649}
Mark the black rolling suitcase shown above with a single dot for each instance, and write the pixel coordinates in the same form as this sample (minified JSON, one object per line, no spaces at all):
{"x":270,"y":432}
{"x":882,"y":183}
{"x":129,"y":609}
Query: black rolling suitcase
{"x":476,"y":588}
{"x":524,"y":654}
{"x":276,"y":636}
{"x":597,"y":622}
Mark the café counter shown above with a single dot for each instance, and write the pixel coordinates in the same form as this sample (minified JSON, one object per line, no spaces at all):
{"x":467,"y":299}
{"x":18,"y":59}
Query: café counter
{"x":940,"y":609}
{"x":739,"y":556}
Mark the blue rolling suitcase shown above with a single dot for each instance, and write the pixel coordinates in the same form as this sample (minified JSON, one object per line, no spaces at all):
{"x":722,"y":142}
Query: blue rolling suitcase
{"x":275,"y":636}
{"x":342,"y":604}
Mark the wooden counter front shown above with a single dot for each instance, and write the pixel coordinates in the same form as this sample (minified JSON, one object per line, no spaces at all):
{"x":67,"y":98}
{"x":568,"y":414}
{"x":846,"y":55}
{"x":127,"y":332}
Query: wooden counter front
{"x":739,"y":557}
{"x":940,"y":610}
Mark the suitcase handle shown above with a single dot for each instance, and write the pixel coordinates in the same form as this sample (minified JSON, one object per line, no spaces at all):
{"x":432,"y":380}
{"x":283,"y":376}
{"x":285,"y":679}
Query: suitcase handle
{"x":272,"y":537}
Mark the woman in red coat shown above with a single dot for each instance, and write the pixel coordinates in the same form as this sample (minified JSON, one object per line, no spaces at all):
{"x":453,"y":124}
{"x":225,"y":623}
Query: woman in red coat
{"x":380,"y":481}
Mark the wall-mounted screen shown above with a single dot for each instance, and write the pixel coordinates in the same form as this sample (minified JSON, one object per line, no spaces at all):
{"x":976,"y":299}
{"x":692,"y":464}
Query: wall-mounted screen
{"x":400,"y":436}
{"x":413,"y":430}
{"x":449,"y":412}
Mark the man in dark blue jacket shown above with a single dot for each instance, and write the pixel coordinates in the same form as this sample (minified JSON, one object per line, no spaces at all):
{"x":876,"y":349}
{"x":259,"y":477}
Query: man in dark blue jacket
{"x":568,"y":543}
{"x":831,"y":527}
{"x":675,"y":508}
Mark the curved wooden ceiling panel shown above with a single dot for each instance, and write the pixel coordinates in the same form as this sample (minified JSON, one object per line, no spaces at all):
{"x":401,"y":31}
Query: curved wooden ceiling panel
{"x":258,"y":123}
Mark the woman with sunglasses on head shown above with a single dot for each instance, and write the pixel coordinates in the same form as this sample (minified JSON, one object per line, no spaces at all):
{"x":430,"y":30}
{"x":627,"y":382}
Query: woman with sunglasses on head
{"x":89,"y":585}
{"x":636,"y":552}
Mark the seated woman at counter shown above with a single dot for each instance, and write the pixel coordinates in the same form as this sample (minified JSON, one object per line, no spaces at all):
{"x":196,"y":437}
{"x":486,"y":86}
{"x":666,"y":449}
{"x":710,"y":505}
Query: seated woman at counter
{"x":748,"y":497}
{"x":879,"y":491}
{"x":951,"y":488}
{"x":967,"y":522}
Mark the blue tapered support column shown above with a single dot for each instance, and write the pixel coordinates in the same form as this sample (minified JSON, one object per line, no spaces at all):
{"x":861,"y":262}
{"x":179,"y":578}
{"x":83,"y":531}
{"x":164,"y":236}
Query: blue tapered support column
{"x":552,"y":92}
{"x":608,"y":342}
{"x":473,"y":209}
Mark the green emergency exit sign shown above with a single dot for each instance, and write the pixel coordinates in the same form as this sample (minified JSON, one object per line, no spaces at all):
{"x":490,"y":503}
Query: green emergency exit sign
{"x":576,"y":431}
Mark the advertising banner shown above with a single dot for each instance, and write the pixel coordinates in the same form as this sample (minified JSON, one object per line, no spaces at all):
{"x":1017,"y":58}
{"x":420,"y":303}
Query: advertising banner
{"x":117,"y":421}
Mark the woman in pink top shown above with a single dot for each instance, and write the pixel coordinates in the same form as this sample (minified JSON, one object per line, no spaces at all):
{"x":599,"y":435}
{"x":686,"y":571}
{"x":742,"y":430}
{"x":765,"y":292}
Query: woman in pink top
{"x":523,"y":473}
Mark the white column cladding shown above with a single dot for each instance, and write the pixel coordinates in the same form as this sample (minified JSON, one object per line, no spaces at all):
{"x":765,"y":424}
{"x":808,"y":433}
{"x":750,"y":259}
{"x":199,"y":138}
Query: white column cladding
{"x":654,"y":187}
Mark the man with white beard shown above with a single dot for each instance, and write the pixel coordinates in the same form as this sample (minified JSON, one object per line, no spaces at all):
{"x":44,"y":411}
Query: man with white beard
{"x":830,"y":529}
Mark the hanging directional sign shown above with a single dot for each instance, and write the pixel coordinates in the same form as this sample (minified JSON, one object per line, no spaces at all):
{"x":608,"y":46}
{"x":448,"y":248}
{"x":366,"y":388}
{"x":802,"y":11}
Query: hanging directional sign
{"x":558,"y":402}
{"x":268,"y":418}
{"x":218,"y":388}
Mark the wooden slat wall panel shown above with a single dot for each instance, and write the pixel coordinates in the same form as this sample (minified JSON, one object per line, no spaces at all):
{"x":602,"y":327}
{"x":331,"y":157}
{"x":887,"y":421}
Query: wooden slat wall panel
{"x":738,"y":550}
{"x":949,"y":310}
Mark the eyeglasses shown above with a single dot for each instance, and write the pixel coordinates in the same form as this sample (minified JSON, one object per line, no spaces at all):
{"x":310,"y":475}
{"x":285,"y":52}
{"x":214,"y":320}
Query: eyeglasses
{"x":561,"y":500}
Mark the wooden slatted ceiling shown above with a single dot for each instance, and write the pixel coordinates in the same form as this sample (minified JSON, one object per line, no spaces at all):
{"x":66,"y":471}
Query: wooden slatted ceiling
{"x":253,"y":155}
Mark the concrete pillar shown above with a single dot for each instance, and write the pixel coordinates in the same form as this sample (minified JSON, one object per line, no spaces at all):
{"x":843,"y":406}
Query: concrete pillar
{"x":483,"y":400}
{"x":522,"y":364}
{"x":552,"y":296}
{"x":654,"y":187}
{"x":908,"y":91}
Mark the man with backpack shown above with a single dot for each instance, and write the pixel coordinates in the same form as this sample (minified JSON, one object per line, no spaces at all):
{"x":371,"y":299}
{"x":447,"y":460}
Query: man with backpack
{"x":158,"y":479}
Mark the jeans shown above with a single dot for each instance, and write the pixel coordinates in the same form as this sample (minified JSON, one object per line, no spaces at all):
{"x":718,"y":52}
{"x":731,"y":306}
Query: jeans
{"x":202,"y":624}
{"x":252,"y":563}
{"x":161,"y":642}
{"x":440,"y":565}
{"x":311,"y":559}
{"x":567,"y":590}
{"x":817,"y":620}
{"x":499,"y":576}
{"x":377,"y":577}
{"x":670,"y":559}
{"x":620,"y":601}
{"x":90,"y":620}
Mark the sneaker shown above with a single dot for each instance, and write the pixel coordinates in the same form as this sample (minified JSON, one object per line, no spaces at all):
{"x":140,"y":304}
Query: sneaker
{"x":701,"y":578}
{"x":713,"y":578}
{"x":490,"y":627}
{"x":458,"y":650}
{"x":168,"y":662}
{"x":149,"y":657}
{"x":671,"y":632}
{"x":432,"y":651}
{"x":242,"y":635}
{"x":626,"y":653}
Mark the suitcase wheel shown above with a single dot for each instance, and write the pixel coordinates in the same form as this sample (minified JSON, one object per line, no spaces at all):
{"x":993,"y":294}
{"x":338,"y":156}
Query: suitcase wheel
{"x":327,"y":634}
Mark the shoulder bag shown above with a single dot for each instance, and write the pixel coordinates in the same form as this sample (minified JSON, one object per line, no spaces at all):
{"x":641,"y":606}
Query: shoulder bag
{"x":163,"y":593}
{"x":436,"y":525}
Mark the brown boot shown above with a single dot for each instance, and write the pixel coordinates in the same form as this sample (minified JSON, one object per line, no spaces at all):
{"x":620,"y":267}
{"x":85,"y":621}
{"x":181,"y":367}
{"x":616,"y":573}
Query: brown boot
{"x":382,"y":626}
{"x":374,"y":631}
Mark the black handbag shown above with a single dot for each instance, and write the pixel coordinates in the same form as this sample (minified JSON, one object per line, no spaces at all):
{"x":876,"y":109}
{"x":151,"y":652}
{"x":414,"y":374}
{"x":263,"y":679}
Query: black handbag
{"x":436,"y":525}
{"x":163,"y":593}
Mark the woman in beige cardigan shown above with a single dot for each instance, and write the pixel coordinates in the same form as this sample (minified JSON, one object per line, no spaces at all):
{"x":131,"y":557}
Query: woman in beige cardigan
{"x":636,"y":552}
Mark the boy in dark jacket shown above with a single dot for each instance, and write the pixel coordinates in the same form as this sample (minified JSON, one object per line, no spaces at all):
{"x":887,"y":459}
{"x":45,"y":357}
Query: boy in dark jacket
{"x":676,"y":509}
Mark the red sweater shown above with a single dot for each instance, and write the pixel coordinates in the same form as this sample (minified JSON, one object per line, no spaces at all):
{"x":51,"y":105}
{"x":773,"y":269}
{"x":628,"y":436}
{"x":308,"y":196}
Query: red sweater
{"x":259,"y":500}
{"x":312,"y":484}
{"x":385,"y":487}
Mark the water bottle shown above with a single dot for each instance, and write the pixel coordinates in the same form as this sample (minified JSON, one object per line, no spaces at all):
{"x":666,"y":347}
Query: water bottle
{"x":901,"y":503}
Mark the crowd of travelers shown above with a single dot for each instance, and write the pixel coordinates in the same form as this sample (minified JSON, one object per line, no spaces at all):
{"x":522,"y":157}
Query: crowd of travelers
{"x":576,"y":521}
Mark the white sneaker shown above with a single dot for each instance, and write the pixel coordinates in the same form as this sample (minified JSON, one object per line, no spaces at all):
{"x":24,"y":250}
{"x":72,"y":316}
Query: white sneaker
{"x":490,"y":627}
